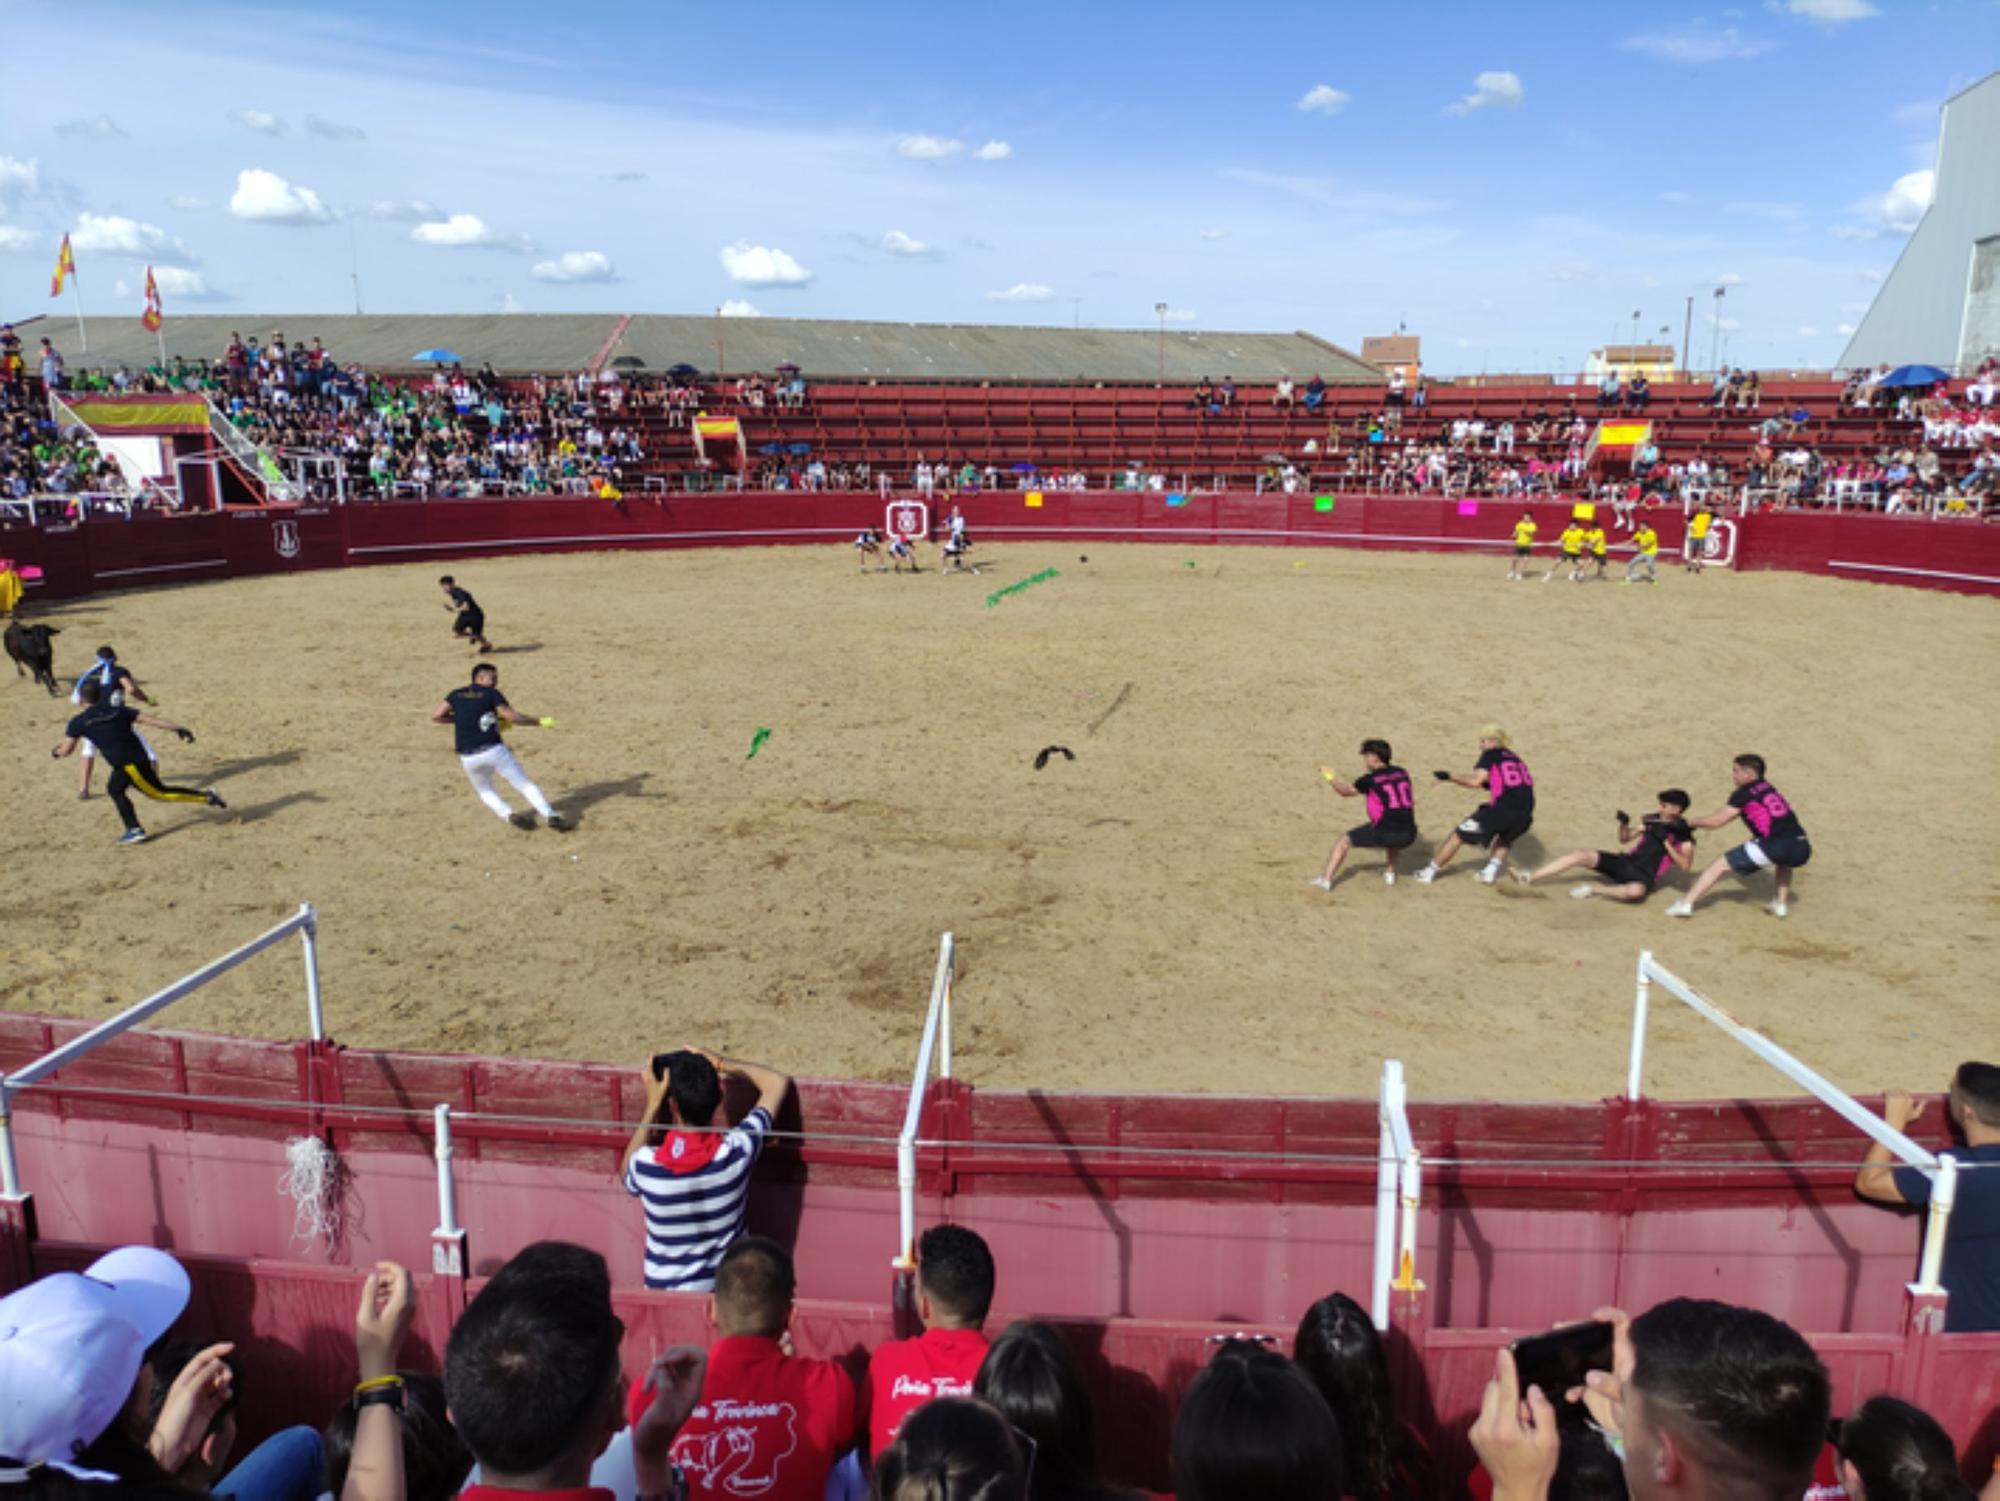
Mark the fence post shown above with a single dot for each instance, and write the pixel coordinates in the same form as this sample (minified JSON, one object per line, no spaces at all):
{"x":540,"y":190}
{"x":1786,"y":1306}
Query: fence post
{"x":449,"y":1259}
{"x":1636,"y":1071}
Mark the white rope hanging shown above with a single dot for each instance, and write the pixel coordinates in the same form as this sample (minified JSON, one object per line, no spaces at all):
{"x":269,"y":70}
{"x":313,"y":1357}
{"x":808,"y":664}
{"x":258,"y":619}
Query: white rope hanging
{"x":313,"y":1177}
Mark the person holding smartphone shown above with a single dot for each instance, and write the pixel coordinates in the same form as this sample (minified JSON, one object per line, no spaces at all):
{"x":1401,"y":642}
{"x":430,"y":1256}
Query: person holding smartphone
{"x":691,"y":1172}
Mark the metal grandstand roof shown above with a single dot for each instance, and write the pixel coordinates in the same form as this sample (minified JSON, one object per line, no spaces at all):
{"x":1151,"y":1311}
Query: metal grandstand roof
{"x":516,"y":342}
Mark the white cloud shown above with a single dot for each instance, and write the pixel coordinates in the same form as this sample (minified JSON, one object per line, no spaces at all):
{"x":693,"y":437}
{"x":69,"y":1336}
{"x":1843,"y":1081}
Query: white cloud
{"x":761,"y":266}
{"x":1181,"y":315}
{"x":1727,"y":325}
{"x":258,"y":120}
{"x":1831,"y":12}
{"x":17,"y":176}
{"x":1215,"y":234}
{"x":1023,"y":291}
{"x":175,"y":281}
{"x":994,"y":151}
{"x":1921,"y":112}
{"x":266,"y":198}
{"x":14,"y":239}
{"x":736,"y":307}
{"x":1855,"y":232}
{"x":333,"y":130}
{"x":1777,"y":213}
{"x":1729,"y":279}
{"x":575,"y":266}
{"x":121,"y":288}
{"x":95,"y":128}
{"x":112,"y":234}
{"x":1323,"y":99}
{"x":1675,"y":195}
{"x":1697,"y":43}
{"x":923,"y":148}
{"x":1844,"y":328}
{"x":469,"y":232}
{"x":1901,"y":208}
{"x":403,"y":210}
{"x":898,"y":243}
{"x":1465,"y":343}
{"x":187,"y":203}
{"x":1807,"y":331}
{"x":1869,"y":273}
{"x":1491,"y":88}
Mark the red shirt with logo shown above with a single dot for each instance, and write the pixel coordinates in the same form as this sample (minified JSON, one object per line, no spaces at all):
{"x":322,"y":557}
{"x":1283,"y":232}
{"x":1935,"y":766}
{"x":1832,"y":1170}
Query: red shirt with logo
{"x":768,"y":1426}
{"x":906,"y":1373}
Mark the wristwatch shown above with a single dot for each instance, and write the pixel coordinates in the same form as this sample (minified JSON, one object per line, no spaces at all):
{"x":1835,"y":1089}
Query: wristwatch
{"x":390,"y":1395}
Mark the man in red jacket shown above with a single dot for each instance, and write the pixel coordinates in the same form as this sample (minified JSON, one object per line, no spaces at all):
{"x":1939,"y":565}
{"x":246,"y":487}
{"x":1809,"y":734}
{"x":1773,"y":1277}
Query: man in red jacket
{"x":768,"y":1424}
{"x":954,"y":1291}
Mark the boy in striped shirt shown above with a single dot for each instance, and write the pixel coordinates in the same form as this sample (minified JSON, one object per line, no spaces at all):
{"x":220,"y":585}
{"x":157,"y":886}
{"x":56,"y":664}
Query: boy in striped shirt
{"x":691,"y":1171}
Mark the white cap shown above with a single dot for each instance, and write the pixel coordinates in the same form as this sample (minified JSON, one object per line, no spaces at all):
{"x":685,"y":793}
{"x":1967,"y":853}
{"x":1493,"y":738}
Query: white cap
{"x":71,"y":1346}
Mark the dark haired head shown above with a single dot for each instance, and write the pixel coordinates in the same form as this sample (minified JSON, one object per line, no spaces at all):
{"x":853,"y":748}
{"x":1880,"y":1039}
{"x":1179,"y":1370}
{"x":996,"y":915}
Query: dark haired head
{"x":1338,"y":1348}
{"x":1752,"y":764}
{"x":1977,"y":1089}
{"x":754,"y":1284}
{"x":955,"y":1272}
{"x":1677,"y":797}
{"x":953,"y":1449}
{"x":1587,"y":1469}
{"x":1253,"y":1425}
{"x":1899,"y":1453}
{"x":1032,"y":1378}
{"x":1737,"y":1393}
{"x":90,"y":690}
{"x":484,"y":670}
{"x":447,"y":580}
{"x":106,"y":654}
{"x":435,"y":1459}
{"x":694,"y":1087}
{"x":531,"y":1369}
{"x":1377,"y":748}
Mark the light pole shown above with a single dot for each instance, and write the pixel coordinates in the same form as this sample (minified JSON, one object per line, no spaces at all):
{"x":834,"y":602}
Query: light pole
{"x":720,"y":365}
{"x":1715,"y":334}
{"x":1687,"y":332}
{"x":1635,"y":326}
{"x":1161,"y":309}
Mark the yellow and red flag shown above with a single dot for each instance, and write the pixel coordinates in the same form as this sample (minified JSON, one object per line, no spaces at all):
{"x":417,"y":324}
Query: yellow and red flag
{"x":65,"y":268}
{"x":151,"y":317}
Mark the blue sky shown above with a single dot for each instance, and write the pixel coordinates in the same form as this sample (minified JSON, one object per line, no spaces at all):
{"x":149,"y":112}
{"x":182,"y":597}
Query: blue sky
{"x":1513,"y":181}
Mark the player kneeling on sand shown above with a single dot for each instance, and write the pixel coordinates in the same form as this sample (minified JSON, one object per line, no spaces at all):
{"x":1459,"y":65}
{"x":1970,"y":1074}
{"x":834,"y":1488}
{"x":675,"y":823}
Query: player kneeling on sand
{"x":476,"y":712}
{"x":1392,"y":817}
{"x":1781,"y":844}
{"x":868,"y":546}
{"x":1659,"y":842}
{"x":901,"y":553}
{"x":1508,"y":813}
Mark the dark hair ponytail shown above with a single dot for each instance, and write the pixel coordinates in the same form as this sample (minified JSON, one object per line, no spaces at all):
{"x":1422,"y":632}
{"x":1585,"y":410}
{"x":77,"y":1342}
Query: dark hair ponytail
{"x":1337,"y":1346}
{"x":1901,"y":1454}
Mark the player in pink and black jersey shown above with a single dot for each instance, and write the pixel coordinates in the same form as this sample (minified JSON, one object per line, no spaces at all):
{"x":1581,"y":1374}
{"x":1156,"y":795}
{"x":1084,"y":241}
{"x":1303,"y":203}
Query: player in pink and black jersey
{"x":1652,"y":847}
{"x":1392,"y":816}
{"x":1507,"y":814}
{"x":1780,"y":844}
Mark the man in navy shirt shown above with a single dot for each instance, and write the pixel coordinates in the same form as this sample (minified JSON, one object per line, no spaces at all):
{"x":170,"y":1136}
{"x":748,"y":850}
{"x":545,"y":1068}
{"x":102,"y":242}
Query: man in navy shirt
{"x":111,"y":729}
{"x":1971,"y":1269}
{"x":477,"y":714}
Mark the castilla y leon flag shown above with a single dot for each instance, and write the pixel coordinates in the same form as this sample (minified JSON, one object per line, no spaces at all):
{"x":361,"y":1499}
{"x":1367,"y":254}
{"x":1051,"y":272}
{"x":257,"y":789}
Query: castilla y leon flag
{"x":65,"y":268}
{"x":151,"y":317}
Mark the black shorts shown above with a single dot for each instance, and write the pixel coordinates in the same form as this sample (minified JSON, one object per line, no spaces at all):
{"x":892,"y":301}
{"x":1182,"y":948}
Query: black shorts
{"x":1522,"y":552}
{"x":1758,"y":854}
{"x":1572,"y":557}
{"x":1490,"y":822}
{"x":1367,"y":836}
{"x":1622,"y":869}
{"x":470,"y":623}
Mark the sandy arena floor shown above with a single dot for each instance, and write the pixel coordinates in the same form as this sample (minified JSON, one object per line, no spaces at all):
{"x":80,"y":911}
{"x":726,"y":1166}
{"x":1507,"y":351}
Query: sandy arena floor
{"x":1138,"y":918}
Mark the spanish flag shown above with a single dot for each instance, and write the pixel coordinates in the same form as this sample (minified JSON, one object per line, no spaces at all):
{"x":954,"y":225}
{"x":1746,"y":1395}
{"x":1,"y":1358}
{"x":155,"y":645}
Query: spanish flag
{"x":151,"y":317}
{"x":65,"y":268}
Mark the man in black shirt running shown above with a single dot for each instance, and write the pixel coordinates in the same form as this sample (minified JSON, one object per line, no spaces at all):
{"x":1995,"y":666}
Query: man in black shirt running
{"x":476,"y":713}
{"x":110,"y":729}
{"x":467,"y":618}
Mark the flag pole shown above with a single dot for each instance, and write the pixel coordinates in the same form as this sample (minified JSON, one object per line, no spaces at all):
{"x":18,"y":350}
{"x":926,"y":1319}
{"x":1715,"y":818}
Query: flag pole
{"x":76,"y":290}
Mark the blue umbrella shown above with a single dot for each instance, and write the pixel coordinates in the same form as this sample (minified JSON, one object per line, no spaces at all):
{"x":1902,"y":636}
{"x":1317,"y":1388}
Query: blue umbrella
{"x":438,"y":356}
{"x":798,"y":450}
{"x":1914,"y":375}
{"x":770,"y":448}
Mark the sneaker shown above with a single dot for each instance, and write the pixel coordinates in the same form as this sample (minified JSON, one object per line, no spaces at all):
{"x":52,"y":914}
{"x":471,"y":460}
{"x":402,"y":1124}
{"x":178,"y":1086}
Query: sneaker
{"x":1488,"y":874}
{"x":1321,"y":882}
{"x":83,"y":797}
{"x":215,"y":799}
{"x":1427,"y":875}
{"x":1521,"y":878}
{"x":134,"y":836}
{"x":557,"y":821}
{"x":1778,"y":909}
{"x":522,"y":820}
{"x":1388,"y":878}
{"x":1681,"y":909}
{"x":1582,"y":893}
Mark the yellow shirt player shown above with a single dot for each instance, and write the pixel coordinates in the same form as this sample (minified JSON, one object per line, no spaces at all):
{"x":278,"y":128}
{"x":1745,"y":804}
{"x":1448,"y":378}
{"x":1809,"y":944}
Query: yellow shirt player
{"x":1600,"y":549}
{"x":1571,"y":543}
{"x":1697,"y":536}
{"x":1524,"y":543}
{"x":1646,"y":549}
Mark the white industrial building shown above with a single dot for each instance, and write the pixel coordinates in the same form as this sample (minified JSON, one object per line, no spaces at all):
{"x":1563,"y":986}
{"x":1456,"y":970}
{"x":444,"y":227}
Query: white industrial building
{"x":1941,"y":303}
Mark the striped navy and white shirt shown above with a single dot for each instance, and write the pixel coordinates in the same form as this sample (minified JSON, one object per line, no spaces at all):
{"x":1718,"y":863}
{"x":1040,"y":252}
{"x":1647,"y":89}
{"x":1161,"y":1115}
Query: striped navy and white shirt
{"x":694,"y":1186}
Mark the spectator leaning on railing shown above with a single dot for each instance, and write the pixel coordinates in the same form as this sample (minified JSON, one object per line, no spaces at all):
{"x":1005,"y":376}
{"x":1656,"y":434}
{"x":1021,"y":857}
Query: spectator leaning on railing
{"x":692,"y":1176}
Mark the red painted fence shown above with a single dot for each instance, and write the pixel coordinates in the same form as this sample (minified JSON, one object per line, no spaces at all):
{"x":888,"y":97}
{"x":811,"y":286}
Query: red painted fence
{"x":98,"y":555}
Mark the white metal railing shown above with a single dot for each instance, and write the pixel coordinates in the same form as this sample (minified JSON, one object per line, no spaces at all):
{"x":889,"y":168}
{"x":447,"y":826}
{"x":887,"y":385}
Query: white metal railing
{"x":1942,"y":1171}
{"x":256,"y":462}
{"x":936,"y":1043}
{"x":1399,"y":1176}
{"x":304,"y":922}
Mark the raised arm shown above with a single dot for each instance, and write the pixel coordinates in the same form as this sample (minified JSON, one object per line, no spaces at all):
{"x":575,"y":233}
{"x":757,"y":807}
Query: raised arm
{"x":642,"y":1134}
{"x":772,"y":1086}
{"x":1877,"y":1178}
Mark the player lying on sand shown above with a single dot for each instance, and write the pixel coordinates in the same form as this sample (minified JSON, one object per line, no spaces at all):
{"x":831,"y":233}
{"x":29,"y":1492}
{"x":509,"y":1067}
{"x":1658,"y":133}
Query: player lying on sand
{"x":1651,"y":848}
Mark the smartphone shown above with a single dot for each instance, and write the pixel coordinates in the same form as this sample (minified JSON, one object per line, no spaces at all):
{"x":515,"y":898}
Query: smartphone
{"x":1560,"y":1359}
{"x":661,"y":1063}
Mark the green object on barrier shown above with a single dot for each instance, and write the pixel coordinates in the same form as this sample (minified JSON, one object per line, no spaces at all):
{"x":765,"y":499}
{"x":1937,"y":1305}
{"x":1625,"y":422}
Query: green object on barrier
{"x":757,"y":742}
{"x":1322,"y":502}
{"x":1029,"y":582}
